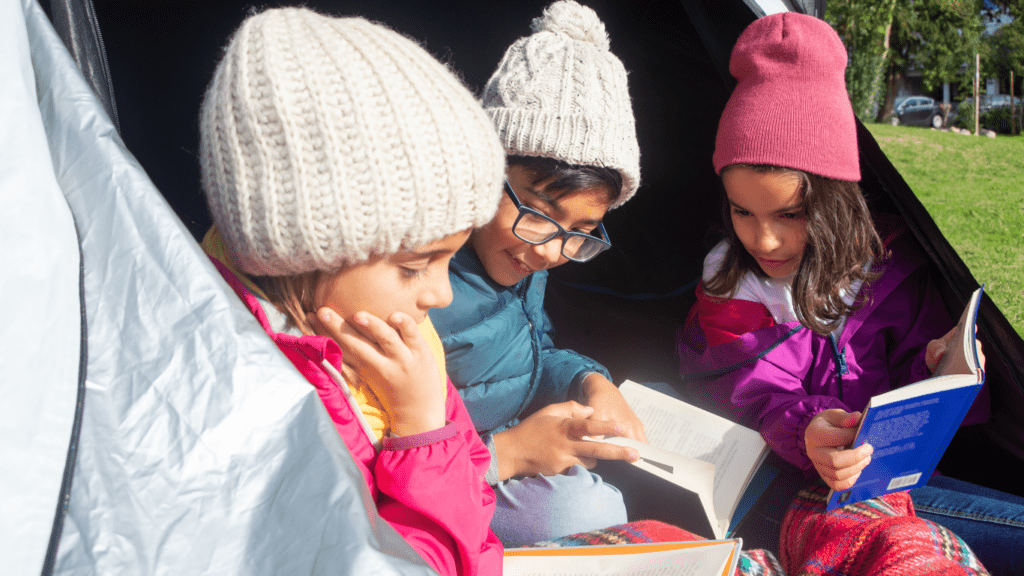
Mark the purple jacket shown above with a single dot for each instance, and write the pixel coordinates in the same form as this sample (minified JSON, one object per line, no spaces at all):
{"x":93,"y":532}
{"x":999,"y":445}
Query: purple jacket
{"x":776,"y":377}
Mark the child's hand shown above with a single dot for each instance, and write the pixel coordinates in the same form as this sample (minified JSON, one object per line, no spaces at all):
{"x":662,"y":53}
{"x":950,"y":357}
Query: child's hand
{"x":825,"y":437}
{"x":549,"y":442}
{"x":608,"y":403}
{"x":408,"y":380}
{"x":936,"y":349}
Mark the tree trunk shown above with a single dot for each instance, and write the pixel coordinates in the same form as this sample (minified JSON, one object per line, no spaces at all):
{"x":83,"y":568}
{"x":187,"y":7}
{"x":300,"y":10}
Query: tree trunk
{"x":893,"y":78}
{"x":883,"y":61}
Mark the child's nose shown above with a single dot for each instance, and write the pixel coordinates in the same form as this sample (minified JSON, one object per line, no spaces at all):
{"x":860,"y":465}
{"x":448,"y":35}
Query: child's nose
{"x":550,"y":251}
{"x":767,"y":239}
{"x":438,"y":294}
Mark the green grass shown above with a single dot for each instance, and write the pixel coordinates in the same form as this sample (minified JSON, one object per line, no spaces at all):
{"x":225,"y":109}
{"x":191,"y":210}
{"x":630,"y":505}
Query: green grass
{"x":973,"y":187}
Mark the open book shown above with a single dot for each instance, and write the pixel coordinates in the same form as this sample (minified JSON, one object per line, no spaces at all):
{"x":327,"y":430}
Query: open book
{"x":911,"y":427}
{"x":695,"y":469}
{"x":697,"y":558}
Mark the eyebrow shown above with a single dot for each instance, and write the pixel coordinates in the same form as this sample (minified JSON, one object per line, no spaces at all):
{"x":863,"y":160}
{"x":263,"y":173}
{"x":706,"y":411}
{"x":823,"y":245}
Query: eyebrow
{"x":414,"y":255}
{"x":553,"y":202}
{"x":779,"y":211}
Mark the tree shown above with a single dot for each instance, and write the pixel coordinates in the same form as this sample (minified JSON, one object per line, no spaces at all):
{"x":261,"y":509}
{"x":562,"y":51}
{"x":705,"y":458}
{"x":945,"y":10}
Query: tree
{"x":885,"y":39}
{"x":1003,"y":50}
{"x":936,"y":37}
{"x":865,"y":28}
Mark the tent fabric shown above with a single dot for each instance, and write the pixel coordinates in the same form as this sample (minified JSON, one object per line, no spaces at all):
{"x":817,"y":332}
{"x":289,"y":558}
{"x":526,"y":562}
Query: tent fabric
{"x":41,"y":322}
{"x":201,"y":450}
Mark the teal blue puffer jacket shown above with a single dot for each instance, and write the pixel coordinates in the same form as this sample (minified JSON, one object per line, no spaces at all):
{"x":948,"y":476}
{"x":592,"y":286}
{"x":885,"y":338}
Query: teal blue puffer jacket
{"x":498,"y":347}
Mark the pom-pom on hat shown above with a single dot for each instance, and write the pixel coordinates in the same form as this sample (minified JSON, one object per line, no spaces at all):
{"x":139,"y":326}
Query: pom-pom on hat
{"x":560,"y":93}
{"x":790,"y":107}
{"x":327,"y":141}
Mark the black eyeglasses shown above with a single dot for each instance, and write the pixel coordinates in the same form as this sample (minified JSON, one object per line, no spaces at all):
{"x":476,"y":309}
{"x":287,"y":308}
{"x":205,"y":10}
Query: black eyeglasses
{"x":536,"y":228}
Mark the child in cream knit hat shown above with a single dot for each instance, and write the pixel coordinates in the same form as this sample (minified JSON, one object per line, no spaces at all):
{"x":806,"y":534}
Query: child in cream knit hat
{"x":560,"y":103}
{"x":344,"y":167}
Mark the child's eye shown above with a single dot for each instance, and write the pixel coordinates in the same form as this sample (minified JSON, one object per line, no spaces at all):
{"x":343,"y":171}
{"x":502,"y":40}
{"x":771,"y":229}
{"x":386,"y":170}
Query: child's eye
{"x":740,"y":212}
{"x":411,"y":273}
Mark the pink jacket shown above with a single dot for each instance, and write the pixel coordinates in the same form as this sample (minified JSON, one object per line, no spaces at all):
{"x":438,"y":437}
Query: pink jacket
{"x":430,"y":487}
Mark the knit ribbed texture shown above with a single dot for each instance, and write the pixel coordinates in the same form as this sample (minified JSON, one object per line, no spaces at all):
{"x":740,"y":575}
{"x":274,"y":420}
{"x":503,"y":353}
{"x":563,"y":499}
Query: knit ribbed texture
{"x":325,"y":141}
{"x":790,"y":107}
{"x":560,"y":93}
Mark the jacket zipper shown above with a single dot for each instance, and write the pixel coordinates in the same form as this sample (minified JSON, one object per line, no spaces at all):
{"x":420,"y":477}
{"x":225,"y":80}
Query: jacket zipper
{"x":840,"y":358}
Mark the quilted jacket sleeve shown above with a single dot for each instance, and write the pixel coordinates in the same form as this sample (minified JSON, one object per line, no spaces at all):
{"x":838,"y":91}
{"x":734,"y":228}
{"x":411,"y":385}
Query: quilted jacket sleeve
{"x":432,"y":490}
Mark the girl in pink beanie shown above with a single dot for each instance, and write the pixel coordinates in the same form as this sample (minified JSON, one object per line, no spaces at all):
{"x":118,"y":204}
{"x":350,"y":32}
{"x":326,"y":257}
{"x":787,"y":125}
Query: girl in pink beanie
{"x":811,"y":305}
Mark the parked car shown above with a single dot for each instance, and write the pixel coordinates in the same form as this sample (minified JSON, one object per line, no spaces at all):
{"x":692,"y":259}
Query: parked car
{"x":916,"y":111}
{"x":990,"y":101}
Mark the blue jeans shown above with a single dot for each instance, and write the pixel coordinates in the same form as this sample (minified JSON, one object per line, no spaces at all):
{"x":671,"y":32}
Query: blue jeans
{"x":542,"y":507}
{"x":990,"y":521}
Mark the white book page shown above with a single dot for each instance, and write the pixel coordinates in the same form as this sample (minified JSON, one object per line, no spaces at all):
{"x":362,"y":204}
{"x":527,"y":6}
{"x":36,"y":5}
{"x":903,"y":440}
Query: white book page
{"x":678,"y":427}
{"x":961,"y":356}
{"x":697,"y":561}
{"x":694,"y":475}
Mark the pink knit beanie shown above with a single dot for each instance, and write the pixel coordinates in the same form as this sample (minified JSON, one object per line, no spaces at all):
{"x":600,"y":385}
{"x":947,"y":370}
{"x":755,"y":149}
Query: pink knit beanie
{"x":790,"y":107}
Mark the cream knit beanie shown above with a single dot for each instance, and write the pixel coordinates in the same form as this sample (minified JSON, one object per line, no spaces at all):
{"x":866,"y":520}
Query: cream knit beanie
{"x":561,"y":94}
{"x":326,"y":141}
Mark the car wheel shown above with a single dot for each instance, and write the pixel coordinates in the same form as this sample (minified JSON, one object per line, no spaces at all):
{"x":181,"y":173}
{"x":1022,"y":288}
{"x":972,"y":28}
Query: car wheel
{"x":937,"y":121}
{"x":894,"y":120}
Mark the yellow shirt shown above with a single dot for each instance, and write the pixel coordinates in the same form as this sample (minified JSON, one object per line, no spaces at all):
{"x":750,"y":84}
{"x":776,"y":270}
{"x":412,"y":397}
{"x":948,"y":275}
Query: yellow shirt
{"x":369,"y":404}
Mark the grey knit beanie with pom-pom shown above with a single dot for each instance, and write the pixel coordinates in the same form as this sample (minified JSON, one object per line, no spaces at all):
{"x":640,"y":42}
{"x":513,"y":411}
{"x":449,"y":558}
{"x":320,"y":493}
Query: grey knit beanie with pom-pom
{"x":560,"y":93}
{"x":327,"y":141}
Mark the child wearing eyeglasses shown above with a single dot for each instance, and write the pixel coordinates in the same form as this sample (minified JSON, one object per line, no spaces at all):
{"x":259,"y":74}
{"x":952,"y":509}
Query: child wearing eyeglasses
{"x":560,"y":103}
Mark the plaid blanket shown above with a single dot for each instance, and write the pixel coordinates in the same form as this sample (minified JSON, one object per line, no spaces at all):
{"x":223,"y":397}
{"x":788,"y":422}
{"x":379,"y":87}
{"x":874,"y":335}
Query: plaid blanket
{"x":876,"y":537}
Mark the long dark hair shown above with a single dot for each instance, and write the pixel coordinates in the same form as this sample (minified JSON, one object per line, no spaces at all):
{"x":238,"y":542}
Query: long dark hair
{"x":841,"y":242}
{"x":566,"y":178}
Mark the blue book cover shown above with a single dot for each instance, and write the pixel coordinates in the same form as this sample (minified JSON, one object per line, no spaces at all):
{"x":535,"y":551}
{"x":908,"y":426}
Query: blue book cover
{"x":911,"y":427}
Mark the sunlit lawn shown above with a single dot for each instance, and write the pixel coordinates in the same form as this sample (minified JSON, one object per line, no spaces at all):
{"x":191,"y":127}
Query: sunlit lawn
{"x":974,"y":189}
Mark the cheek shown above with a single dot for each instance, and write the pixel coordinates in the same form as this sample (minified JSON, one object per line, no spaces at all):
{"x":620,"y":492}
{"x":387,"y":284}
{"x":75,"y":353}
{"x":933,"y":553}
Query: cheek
{"x":741,"y":227}
{"x":799,"y":235}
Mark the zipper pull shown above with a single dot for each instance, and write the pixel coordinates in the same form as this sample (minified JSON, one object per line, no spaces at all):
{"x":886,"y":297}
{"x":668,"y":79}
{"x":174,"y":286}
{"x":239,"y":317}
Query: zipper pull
{"x":840,"y":355}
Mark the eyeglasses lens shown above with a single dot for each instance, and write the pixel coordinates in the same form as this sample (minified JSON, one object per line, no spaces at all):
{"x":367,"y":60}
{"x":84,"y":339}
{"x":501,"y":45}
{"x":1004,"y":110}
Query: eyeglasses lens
{"x":533,"y":228}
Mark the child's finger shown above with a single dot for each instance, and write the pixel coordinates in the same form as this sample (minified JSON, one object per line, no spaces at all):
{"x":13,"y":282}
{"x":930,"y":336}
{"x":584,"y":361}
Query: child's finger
{"x":577,"y":410}
{"x":567,"y":409}
{"x":936,"y":349}
{"x":379,"y":332}
{"x":407,"y":329}
{"x":604,"y":451}
{"x":578,"y":428}
{"x":844,"y":459}
{"x":358,"y":351}
{"x":326,"y":322}
{"x":837,"y":418}
{"x":834,"y":436}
